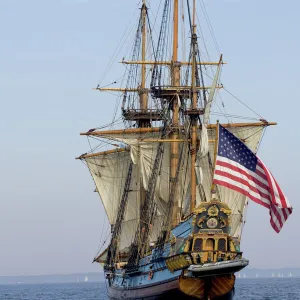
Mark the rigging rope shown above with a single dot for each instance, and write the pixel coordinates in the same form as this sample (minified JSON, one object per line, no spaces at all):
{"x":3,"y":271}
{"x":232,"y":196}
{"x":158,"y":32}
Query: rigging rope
{"x":113,"y":247}
{"x":203,"y":7}
{"x":139,"y":246}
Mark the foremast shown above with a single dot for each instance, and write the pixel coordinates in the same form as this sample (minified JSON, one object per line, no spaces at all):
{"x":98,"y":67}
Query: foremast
{"x":175,"y":81}
{"x":194,"y":117}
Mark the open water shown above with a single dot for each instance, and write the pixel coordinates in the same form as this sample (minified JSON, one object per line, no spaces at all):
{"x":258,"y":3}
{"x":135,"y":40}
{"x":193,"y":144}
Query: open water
{"x":246,"y":289}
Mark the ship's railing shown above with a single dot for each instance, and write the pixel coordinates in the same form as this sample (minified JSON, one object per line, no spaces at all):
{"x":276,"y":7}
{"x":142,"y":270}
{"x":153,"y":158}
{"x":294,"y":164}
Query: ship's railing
{"x":184,"y":260}
{"x":142,"y":114}
{"x":137,"y":110}
{"x":206,"y":256}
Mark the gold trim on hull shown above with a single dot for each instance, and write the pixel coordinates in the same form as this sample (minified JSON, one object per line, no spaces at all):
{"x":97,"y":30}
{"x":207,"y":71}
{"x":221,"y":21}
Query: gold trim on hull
{"x":209,"y":288}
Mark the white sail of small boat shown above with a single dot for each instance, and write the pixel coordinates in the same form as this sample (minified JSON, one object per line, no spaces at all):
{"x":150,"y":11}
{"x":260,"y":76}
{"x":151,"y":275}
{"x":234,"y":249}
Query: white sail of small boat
{"x":290,"y":275}
{"x":86,"y":279}
{"x":256,"y":275}
{"x":273,"y":275}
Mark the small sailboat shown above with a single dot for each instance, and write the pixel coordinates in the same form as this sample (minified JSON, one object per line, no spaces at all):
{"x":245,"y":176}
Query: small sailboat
{"x":86,"y":279}
{"x":256,"y":276}
{"x":290,"y":274}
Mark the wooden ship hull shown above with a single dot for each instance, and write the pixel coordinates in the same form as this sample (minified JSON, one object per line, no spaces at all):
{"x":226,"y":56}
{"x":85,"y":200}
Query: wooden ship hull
{"x":174,"y":289}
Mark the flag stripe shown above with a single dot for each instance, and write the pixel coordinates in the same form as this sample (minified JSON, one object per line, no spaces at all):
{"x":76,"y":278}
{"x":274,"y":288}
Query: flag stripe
{"x":281,"y":199}
{"x":241,"y":189}
{"x":261,"y":178}
{"x":244,"y":182}
{"x":277,"y":213}
{"x":234,"y":171}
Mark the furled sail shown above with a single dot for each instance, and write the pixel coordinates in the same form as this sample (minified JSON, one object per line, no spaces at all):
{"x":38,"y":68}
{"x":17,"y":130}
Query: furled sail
{"x":204,"y":142}
{"x":211,"y":95}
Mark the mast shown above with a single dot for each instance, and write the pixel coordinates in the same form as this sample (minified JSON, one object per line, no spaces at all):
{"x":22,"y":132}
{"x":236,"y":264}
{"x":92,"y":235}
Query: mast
{"x":193,"y":117}
{"x":143,"y":93}
{"x":143,"y":105}
{"x":175,"y":81}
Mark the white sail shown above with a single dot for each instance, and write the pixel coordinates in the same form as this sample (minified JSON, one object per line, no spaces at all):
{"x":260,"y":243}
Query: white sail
{"x":143,"y":154}
{"x":127,"y":235}
{"x":109,"y":172}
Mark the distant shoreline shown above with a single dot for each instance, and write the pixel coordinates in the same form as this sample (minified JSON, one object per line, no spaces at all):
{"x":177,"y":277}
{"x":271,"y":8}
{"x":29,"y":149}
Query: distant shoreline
{"x":250,"y":273}
{"x":53,"y":278}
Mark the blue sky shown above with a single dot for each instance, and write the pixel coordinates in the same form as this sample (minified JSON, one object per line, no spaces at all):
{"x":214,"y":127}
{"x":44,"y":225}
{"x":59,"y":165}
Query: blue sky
{"x":54,"y":52}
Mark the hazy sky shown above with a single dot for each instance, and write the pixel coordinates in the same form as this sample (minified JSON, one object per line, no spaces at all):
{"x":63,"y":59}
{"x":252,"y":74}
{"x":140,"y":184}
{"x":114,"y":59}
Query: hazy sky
{"x":54,"y":52}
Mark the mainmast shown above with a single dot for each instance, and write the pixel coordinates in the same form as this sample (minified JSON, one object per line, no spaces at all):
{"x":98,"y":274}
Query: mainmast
{"x":193,"y":117}
{"x":143,"y":104}
{"x":175,"y":81}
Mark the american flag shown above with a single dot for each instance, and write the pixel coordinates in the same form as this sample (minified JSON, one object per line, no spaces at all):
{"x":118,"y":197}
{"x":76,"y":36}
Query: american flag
{"x":237,"y":168}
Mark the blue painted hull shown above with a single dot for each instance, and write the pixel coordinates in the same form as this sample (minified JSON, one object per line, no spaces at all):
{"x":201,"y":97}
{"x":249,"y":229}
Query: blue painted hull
{"x":163,"y":284}
{"x":162,"y":290}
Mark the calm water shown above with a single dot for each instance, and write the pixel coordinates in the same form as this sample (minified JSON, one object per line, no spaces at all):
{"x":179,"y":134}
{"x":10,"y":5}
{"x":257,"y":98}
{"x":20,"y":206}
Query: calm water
{"x":249,"y":289}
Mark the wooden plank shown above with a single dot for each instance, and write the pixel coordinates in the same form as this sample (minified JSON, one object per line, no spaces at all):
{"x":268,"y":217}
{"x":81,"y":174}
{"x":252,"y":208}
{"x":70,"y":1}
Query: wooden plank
{"x":103,"y":153}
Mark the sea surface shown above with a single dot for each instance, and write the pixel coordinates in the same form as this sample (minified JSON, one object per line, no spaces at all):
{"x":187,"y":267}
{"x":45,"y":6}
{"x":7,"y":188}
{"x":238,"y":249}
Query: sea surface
{"x":246,"y":289}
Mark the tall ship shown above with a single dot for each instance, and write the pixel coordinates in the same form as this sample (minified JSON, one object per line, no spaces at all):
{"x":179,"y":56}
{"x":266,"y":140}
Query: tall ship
{"x":176,"y":220}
